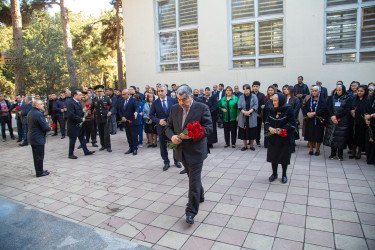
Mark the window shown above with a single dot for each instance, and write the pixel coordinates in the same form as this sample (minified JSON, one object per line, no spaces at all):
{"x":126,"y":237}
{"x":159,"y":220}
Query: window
{"x":350,"y":31}
{"x":178,"y":35}
{"x":257,"y":33}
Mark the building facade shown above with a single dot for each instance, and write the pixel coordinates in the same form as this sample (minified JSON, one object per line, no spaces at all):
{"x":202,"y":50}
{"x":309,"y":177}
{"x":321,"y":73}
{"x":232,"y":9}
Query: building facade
{"x":206,"y":42}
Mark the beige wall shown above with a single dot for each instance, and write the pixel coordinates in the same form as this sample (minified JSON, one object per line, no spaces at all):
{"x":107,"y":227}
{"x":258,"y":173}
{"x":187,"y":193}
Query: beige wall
{"x":304,"y":31}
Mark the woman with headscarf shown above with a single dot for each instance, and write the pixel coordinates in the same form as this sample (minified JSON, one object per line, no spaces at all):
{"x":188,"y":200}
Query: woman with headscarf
{"x":211,"y":102}
{"x":267,"y":107}
{"x":294,"y":102}
{"x":358,"y":111}
{"x":247,"y":119}
{"x":337,"y":129}
{"x":228,"y":105}
{"x":315,"y":109}
{"x":280,"y":117}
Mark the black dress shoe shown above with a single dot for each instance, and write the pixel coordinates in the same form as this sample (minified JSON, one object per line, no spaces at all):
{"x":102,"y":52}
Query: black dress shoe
{"x":45,"y":173}
{"x":154,"y":145}
{"x":19,"y":140}
{"x":190,"y":219}
{"x":252,"y":148}
{"x":54,"y":135}
{"x":135,"y":152}
{"x":73,"y":157}
{"x":150,"y":146}
{"x":258,"y":144}
{"x":79,"y":147}
{"x":23,"y":144}
{"x":109,"y":150}
{"x":166,"y":166}
{"x":272,"y":178}
{"x":226,"y":146}
{"x":128,"y":152}
{"x":63,"y":137}
{"x":201,"y":200}
{"x":95,"y":145}
{"x":244,"y":149}
{"x":233,"y":146}
{"x":351,"y":157}
{"x":90,"y":153}
{"x":317,"y":153}
{"x":178,"y":164}
{"x":311,"y":153}
{"x":101,"y":149}
{"x":284,"y":179}
{"x":183,"y":171}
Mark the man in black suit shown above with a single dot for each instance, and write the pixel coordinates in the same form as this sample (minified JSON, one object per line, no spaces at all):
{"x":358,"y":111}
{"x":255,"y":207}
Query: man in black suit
{"x":159,"y":114}
{"x":16,"y":106}
{"x":53,"y":112}
{"x":37,"y":129}
{"x":25,"y":109}
{"x":75,"y":117}
{"x":128,"y":108}
{"x":190,"y":153}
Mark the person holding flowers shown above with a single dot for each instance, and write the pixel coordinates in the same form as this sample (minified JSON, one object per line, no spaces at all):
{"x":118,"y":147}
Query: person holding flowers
{"x":188,"y":126}
{"x":266,"y":107}
{"x":89,"y":124}
{"x":358,"y":111}
{"x":337,"y":128}
{"x":228,"y":105}
{"x":247,"y":119}
{"x":316,"y":110}
{"x":280,"y":124}
{"x":76,"y":117}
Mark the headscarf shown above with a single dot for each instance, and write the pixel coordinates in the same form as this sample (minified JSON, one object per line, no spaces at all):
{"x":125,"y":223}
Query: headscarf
{"x":282,"y":102}
{"x":317,"y":101}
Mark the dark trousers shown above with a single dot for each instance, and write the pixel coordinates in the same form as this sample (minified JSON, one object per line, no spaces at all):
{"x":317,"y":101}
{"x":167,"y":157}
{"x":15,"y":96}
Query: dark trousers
{"x":196,"y":191}
{"x":163,"y":140}
{"x":259,"y":128}
{"x":26,"y":130}
{"x":55,"y":118}
{"x":19,"y":129}
{"x":274,"y":168}
{"x":105,"y":139}
{"x":72,"y":144}
{"x":62,"y":122}
{"x":340,"y":152}
{"x":38,"y":156}
{"x":89,"y":131}
{"x":6,"y":120}
{"x":230,"y":130}
{"x":132,"y":136}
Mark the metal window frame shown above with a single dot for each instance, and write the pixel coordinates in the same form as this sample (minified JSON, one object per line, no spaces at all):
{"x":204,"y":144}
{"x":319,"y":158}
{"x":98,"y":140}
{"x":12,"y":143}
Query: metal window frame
{"x":177,"y":30}
{"x":256,"y":19}
{"x":359,"y":6}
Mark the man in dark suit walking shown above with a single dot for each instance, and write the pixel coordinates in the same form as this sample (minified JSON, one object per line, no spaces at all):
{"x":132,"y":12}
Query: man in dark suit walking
{"x":37,"y":129}
{"x":75,"y":117}
{"x":128,"y":108}
{"x":190,"y":153}
{"x":159,"y":114}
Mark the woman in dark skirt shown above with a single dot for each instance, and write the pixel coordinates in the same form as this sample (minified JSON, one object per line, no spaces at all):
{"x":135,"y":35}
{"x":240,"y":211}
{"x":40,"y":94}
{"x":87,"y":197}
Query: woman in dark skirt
{"x":267,"y":107}
{"x":315,"y":109}
{"x":211,"y":102}
{"x":360,"y":104}
{"x":337,"y":129}
{"x":294,"y":102}
{"x":247,"y":119}
{"x":150,"y":126}
{"x":370,"y":144}
{"x":280,"y":117}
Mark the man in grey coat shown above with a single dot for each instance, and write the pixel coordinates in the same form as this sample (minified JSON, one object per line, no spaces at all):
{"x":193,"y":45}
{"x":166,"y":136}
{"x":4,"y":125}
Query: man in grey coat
{"x":190,"y":152}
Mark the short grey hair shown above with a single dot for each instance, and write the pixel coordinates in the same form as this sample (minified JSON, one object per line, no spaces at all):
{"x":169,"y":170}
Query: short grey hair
{"x":164,"y":87}
{"x":36,"y":102}
{"x":184,"y":90}
{"x":29,"y":98}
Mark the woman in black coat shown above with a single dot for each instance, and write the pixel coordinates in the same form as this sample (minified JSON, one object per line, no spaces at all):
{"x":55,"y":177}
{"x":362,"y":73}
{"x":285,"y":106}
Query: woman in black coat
{"x":358,"y":111}
{"x":338,"y":125}
{"x":267,"y":107}
{"x":295,"y":103}
{"x":211,"y":102}
{"x":316,"y":109}
{"x":280,"y":117}
{"x":370,"y":122}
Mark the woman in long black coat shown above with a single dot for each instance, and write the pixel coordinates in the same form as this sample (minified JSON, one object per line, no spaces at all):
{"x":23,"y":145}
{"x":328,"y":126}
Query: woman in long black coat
{"x":280,"y":117}
{"x":338,"y":125}
{"x":316,"y":109}
{"x":295,"y":103}
{"x":211,"y":102}
{"x":370,"y":122}
{"x":267,"y":107}
{"x":360,"y":104}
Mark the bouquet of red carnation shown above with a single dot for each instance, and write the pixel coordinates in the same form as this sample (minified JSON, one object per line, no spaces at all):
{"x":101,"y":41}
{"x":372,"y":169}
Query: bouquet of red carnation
{"x":194,"y":130}
{"x":87,"y":112}
{"x":280,"y":132}
{"x":18,"y":108}
{"x":53,"y":126}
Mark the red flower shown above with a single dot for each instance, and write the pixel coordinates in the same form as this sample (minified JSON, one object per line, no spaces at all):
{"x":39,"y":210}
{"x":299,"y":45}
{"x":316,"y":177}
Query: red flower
{"x":245,"y":128}
{"x":227,"y":104}
{"x":195,"y":130}
{"x":89,"y":111}
{"x":339,"y":119}
{"x":265,"y":98}
{"x":88,"y":105}
{"x":130,"y":121}
{"x":283,"y":133}
{"x":108,"y":106}
{"x":371,"y":140}
{"x":18,"y":108}
{"x":53,"y":125}
{"x":355,"y":107}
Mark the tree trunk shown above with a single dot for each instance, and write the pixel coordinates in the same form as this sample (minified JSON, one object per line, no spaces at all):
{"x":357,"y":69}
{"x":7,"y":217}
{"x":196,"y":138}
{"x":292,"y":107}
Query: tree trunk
{"x":68,"y":46}
{"x":120,"y":46}
{"x":17,"y":41}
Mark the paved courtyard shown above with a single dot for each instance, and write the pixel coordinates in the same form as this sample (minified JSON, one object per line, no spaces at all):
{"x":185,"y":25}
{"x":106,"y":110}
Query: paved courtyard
{"x":326,"y":204}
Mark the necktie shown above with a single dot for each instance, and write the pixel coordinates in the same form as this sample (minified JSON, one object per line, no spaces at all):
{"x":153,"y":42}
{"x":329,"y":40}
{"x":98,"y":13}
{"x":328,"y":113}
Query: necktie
{"x":165,"y":108}
{"x":184,"y":114}
{"x":126,"y":102}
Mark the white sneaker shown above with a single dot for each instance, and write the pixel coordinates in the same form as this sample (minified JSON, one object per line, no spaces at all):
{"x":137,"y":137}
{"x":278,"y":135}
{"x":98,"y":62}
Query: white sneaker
{"x":140,"y":146}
